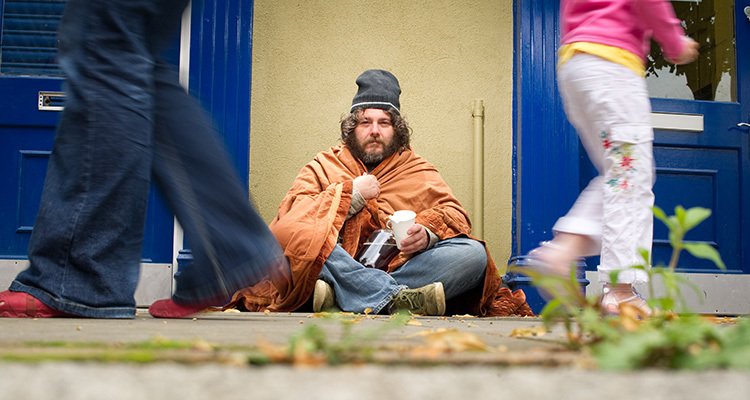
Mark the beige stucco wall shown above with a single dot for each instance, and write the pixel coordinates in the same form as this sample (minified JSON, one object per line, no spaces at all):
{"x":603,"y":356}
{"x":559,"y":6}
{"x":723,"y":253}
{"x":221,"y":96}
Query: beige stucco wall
{"x":307,"y":55}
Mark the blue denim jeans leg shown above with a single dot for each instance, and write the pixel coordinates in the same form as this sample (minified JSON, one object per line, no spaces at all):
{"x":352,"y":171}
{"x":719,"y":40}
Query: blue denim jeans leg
{"x":126,"y":121}
{"x":458,"y":263}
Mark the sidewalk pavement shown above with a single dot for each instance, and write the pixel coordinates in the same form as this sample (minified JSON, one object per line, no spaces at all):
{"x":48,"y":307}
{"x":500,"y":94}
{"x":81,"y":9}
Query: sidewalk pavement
{"x":405,"y":366}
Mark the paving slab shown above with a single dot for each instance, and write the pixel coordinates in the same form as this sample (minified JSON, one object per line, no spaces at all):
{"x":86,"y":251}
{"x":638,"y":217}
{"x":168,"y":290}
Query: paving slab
{"x":515,"y":367}
{"x":235,"y":328}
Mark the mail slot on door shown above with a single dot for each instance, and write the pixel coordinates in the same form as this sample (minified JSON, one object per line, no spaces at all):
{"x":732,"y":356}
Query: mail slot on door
{"x":51,"y":101}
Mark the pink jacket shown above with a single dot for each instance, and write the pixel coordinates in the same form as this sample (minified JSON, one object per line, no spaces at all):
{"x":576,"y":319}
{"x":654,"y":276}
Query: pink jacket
{"x":627,"y":24}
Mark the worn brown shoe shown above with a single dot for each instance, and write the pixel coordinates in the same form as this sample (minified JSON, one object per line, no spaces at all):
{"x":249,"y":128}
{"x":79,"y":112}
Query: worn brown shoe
{"x":427,"y":300}
{"x":323,"y":296}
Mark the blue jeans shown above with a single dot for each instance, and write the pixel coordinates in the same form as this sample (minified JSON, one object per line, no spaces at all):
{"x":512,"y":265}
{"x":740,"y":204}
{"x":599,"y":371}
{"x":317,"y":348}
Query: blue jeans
{"x":126,"y":121}
{"x":458,"y":263}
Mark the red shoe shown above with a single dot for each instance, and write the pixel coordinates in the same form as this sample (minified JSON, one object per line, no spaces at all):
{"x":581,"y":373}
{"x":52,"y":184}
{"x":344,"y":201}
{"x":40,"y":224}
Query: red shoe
{"x":169,"y":309}
{"x":24,"y":305}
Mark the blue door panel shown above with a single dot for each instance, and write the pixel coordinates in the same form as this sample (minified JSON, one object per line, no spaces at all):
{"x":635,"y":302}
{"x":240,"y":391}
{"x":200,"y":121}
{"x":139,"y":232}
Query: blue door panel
{"x":19,"y":97}
{"x":21,"y":191}
{"x":695,"y":177}
{"x":26,"y":136}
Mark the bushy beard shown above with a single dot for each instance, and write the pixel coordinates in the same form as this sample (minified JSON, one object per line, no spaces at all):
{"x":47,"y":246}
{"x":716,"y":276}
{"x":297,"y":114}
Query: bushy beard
{"x":369,"y":159}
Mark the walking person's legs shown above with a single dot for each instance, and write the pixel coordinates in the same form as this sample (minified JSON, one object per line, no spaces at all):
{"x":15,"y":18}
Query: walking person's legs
{"x":86,"y":245}
{"x":231,"y":244}
{"x":609,"y":107}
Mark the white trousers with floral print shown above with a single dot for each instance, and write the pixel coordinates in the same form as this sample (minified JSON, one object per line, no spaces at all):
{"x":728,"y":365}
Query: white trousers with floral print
{"x":609,"y":107}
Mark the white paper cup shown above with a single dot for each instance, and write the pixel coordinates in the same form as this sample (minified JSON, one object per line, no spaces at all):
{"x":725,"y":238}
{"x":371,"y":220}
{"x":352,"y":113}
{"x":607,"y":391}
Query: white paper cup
{"x":400,"y":222}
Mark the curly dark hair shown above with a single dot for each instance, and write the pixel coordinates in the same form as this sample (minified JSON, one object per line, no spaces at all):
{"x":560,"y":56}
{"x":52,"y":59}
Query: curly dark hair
{"x":401,"y":130}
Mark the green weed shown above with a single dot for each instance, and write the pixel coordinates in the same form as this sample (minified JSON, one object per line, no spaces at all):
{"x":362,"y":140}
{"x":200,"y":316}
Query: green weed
{"x":666,"y":339}
{"x":314,"y":346}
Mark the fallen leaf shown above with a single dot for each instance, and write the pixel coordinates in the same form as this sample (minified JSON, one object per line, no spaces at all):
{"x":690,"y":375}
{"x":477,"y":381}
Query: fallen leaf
{"x":425,"y":352}
{"x":450,"y":340}
{"x":355,"y":320}
{"x":202,"y":345}
{"x":574,"y":338}
{"x":321,"y":314}
{"x":526,"y":332}
{"x":304,"y":357}
{"x":273,"y":352}
{"x":721,"y":320}
{"x":631,"y":317}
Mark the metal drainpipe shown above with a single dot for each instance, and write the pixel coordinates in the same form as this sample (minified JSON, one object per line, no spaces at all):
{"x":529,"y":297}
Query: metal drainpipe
{"x":477,"y":114}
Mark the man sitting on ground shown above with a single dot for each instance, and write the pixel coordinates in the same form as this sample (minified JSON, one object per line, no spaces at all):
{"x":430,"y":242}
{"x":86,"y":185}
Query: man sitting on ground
{"x":349,"y":191}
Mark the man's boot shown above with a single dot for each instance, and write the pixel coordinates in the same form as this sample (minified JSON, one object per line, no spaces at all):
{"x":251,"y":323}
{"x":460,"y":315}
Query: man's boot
{"x":427,"y":300}
{"x":323,"y":297}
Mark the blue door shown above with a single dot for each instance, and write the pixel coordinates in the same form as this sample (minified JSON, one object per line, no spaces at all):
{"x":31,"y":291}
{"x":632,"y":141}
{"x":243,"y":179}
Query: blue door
{"x":701,"y":147}
{"x":31,"y":97}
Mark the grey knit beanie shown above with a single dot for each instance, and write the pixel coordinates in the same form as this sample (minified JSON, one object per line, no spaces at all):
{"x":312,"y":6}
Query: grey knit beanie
{"x":377,"y":89}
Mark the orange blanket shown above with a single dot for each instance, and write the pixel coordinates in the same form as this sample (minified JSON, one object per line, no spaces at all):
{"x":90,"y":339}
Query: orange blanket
{"x":312,"y":218}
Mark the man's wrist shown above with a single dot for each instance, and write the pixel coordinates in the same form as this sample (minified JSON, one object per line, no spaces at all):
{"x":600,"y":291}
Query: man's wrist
{"x":432,"y":238}
{"x":357,"y":204}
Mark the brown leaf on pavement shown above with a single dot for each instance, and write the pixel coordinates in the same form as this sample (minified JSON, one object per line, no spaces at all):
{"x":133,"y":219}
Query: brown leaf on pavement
{"x":450,"y":340}
{"x":274,"y":352}
{"x":526,"y":332}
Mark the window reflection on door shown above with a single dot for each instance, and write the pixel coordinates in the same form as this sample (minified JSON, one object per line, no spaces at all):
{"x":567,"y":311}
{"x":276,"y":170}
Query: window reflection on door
{"x":713,"y":76}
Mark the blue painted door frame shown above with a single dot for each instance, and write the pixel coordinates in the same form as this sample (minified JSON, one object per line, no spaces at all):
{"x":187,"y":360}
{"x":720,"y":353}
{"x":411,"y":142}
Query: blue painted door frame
{"x":710,"y":169}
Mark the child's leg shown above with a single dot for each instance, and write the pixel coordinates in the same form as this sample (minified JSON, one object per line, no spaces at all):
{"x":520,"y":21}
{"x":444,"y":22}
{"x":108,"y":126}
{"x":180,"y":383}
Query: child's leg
{"x":578,"y":233}
{"x":627,"y":221}
{"x":609,"y":106}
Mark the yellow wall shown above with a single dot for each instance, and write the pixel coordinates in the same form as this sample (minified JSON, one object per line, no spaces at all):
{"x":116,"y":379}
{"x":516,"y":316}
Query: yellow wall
{"x":307,"y":55}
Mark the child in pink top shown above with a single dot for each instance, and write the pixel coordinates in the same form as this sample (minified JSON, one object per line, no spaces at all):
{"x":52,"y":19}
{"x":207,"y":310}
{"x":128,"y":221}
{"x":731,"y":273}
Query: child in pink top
{"x":601,"y":81}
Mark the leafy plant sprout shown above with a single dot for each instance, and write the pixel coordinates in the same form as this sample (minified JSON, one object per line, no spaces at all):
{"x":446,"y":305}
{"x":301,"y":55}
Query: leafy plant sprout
{"x":666,"y":339}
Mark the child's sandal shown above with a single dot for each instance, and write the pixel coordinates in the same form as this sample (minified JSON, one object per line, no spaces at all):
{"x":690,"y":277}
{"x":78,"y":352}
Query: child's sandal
{"x":611,"y":304}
